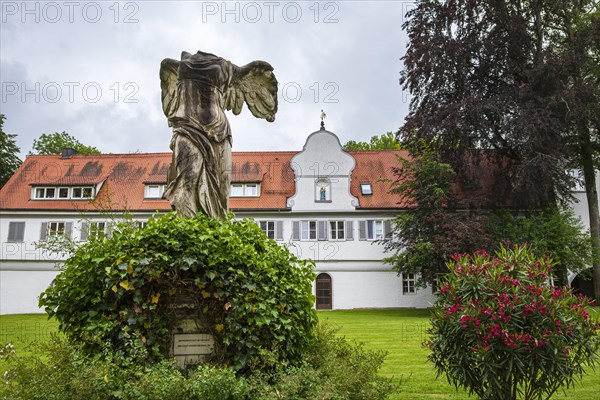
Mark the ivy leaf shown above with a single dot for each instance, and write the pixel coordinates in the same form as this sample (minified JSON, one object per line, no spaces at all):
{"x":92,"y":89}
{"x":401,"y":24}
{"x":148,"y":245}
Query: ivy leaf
{"x":144,"y":261}
{"x":155,"y":298}
{"x":126,"y":285}
{"x":211,"y":275}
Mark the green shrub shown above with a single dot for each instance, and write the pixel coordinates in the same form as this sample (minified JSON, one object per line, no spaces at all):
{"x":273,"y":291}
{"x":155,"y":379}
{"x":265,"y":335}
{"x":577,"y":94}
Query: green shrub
{"x":501,"y":331}
{"x":59,"y":370}
{"x":332,"y":369}
{"x":119,"y":291}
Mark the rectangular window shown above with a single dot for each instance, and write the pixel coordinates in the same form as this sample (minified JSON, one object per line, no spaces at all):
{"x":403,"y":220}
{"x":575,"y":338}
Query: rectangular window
{"x":16,"y":231}
{"x":76,"y":193}
{"x":245,"y":190}
{"x":154,"y":191}
{"x":45,"y":193}
{"x":63,"y":193}
{"x":56,"y":228}
{"x":273,"y":229}
{"x":251,"y":190}
{"x":408,"y":284}
{"x":237,"y":190}
{"x":97,"y":229}
{"x":142,"y":224}
{"x":87,"y":192}
{"x":269,"y":228}
{"x":308,"y":230}
{"x":82,"y":192}
{"x":336,"y":230}
{"x":374,"y":230}
{"x":366,"y":189}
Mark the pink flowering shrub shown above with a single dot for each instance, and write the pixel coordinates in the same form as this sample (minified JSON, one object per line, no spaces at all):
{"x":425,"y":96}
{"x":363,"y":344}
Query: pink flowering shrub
{"x":499,"y":330}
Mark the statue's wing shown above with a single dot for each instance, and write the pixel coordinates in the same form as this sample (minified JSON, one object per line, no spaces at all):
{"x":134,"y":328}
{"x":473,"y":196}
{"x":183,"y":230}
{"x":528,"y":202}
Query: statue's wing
{"x":256,"y":85}
{"x":168,"y":84}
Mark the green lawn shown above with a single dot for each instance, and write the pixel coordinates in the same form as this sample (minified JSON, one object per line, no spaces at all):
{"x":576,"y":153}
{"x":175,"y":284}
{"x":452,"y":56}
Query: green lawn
{"x":399,"y":332}
{"x":21,"y":329}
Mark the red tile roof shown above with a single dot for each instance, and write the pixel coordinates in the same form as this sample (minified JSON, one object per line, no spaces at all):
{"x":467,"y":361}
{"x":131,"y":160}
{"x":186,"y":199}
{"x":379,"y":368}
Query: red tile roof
{"x":272,"y":170}
{"x":122,"y":178}
{"x":375,"y":167}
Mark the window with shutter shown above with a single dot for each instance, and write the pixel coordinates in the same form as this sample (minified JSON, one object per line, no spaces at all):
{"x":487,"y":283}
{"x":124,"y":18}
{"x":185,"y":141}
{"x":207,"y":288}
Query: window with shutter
{"x":337,"y":230}
{"x":268,"y":228}
{"x":308,"y":230}
{"x":54,"y":228}
{"x":371,"y":229}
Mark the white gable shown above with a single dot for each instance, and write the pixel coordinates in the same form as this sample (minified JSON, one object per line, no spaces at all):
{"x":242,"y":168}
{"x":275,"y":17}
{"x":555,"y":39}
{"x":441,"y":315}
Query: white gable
{"x":322,"y":172}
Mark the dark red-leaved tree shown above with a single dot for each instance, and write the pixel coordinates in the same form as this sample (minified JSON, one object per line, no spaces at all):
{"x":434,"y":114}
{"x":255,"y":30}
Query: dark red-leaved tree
{"x":510,"y":83}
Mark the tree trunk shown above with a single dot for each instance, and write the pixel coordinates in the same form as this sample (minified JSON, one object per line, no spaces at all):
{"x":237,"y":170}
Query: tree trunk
{"x":591,"y":192}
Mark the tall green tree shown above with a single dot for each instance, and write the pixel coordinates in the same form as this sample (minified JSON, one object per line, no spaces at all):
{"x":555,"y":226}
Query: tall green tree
{"x":551,"y":233}
{"x":513,"y":82}
{"x":574,"y":54}
{"x":56,"y":142}
{"x":9,"y":160}
{"x":433,"y":228}
{"x":384,"y":142}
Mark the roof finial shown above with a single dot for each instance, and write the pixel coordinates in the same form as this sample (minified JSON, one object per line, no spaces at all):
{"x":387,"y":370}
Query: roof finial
{"x":323,"y":115}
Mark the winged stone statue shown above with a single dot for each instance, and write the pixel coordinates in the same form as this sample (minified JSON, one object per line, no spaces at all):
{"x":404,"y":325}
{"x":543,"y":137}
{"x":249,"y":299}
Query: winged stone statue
{"x":196,"y":91}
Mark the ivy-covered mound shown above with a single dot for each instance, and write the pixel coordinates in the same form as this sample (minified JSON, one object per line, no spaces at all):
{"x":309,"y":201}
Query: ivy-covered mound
{"x":120,"y":292}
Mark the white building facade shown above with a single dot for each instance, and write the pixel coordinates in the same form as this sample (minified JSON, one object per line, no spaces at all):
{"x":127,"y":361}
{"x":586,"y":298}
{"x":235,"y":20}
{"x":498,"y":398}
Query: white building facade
{"x":323,"y":203}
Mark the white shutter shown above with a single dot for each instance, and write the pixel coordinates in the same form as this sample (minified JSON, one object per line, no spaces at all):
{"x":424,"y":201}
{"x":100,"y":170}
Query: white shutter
{"x":349,"y":230}
{"x":85,"y":230}
{"x":16,"y":231}
{"x":362,"y":230}
{"x":321,"y":230}
{"x":44,"y":231}
{"x":295,"y":230}
{"x":278,"y":230}
{"x":68,"y":229}
{"x":387,"y":229}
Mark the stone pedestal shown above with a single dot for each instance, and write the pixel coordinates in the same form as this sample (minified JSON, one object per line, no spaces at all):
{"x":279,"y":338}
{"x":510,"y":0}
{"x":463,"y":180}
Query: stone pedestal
{"x":191,"y":343}
{"x":191,"y":339}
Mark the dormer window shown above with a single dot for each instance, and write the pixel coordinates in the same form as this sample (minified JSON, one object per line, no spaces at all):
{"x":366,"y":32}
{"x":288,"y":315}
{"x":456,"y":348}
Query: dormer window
{"x":154,"y":191}
{"x":81,"y":193}
{"x":63,"y":193}
{"x":245,"y":190}
{"x":366,"y":189}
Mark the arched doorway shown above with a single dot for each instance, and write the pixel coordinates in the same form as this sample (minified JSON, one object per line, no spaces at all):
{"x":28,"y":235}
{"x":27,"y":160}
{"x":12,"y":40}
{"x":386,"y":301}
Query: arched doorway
{"x":324,"y":292}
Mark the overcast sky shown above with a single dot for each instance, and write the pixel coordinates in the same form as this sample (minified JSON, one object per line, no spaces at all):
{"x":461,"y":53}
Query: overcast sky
{"x":91,"y":68}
